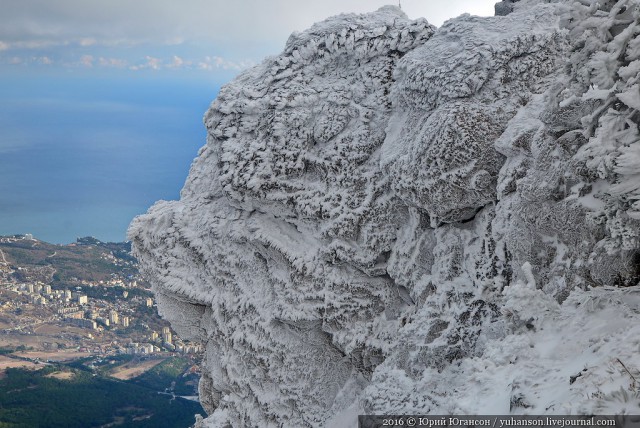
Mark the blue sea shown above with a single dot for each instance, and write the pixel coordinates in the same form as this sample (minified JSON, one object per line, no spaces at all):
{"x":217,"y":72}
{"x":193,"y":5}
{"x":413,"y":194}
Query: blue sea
{"x":81,"y":156}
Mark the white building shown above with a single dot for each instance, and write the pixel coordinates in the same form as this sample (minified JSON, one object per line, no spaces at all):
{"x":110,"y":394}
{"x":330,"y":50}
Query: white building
{"x":114,"y":318}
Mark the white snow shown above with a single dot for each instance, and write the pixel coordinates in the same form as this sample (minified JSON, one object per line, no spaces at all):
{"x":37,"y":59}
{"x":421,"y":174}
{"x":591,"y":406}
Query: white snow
{"x":392,"y":218}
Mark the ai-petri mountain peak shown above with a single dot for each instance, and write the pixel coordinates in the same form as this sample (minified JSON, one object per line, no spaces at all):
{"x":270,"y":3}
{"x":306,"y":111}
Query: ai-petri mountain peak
{"x":390,"y":217}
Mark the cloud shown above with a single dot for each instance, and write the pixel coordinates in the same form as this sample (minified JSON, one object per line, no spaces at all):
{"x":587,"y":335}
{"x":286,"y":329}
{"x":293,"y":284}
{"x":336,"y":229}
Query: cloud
{"x":151,"y":63}
{"x":41,"y":44}
{"x":38,"y":44}
{"x":112,"y":62}
{"x":197,"y":35}
{"x":243,"y":23}
{"x":208,"y":63}
{"x":144,"y":62}
{"x":216,"y":62}
{"x":88,"y":41}
{"x":177,"y":62}
{"x":87,"y":60}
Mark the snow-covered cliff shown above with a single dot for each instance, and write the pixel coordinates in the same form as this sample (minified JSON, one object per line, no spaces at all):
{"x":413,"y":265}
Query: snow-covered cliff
{"x":393,"y":218}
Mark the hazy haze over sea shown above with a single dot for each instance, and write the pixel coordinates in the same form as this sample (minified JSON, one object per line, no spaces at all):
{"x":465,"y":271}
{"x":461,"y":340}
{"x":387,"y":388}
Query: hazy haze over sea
{"x":84,"y":156}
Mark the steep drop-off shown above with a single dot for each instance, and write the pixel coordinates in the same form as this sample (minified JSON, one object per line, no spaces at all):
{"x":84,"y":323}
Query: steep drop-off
{"x":393,"y":218}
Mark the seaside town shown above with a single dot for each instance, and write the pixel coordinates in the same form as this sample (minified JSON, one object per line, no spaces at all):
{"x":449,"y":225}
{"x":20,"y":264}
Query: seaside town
{"x":78,"y":301}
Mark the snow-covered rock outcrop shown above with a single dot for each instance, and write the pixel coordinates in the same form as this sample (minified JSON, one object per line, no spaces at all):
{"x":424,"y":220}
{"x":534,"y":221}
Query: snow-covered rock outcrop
{"x":393,"y":218}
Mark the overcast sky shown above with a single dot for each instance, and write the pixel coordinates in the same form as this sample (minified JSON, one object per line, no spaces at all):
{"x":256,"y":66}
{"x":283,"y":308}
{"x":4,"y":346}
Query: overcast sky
{"x":204,"y":35}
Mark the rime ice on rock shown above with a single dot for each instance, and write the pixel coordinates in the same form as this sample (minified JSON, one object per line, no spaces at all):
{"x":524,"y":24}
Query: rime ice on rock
{"x":283,"y":229}
{"x":453,"y":98}
{"x":389,"y":218}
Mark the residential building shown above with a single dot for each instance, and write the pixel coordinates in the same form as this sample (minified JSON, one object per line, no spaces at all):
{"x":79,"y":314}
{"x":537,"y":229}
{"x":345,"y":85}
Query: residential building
{"x":114,"y":318}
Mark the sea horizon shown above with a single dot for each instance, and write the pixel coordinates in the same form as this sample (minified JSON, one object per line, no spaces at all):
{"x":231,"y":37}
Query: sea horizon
{"x":82,"y":157}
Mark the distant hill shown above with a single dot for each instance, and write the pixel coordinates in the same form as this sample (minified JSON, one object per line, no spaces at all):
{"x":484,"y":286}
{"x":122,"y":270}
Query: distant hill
{"x":27,"y":259}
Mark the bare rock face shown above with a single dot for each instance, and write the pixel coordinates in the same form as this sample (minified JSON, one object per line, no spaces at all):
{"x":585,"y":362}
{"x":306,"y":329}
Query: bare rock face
{"x":392,"y":218}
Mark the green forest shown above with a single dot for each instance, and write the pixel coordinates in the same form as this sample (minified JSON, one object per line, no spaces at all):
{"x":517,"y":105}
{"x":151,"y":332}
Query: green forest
{"x":39,"y":399}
